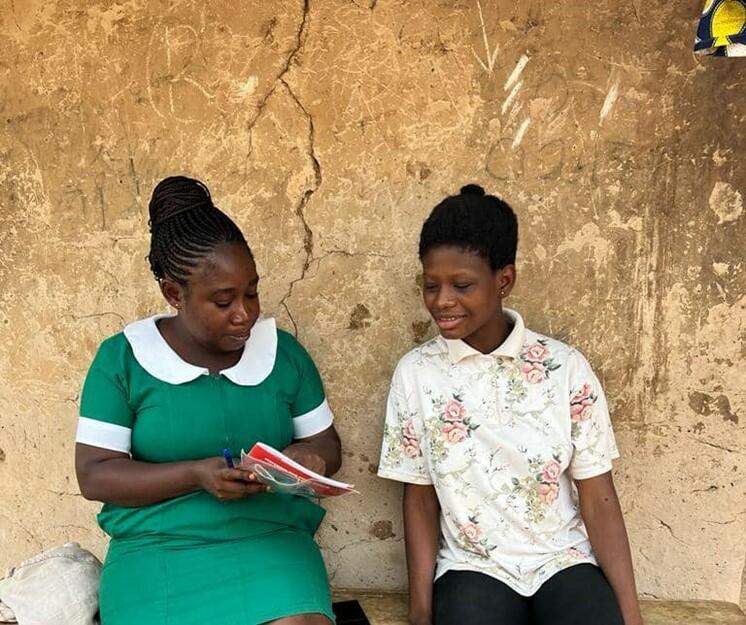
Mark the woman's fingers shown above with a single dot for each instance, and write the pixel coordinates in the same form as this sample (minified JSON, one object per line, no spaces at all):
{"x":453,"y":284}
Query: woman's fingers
{"x":237,"y":484}
{"x":236,"y":475}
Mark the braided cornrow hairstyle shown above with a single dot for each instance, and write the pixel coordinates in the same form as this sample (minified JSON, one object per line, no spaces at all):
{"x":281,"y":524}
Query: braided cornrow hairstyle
{"x":185,"y":226}
{"x":474,"y":221}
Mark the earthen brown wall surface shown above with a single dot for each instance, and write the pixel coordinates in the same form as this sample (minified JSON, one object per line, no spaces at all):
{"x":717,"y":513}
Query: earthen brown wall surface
{"x":328,"y":129}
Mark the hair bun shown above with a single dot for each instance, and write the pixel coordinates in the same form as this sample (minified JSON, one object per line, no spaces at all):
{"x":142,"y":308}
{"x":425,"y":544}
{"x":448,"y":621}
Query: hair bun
{"x":472,"y":189}
{"x":175,"y":195}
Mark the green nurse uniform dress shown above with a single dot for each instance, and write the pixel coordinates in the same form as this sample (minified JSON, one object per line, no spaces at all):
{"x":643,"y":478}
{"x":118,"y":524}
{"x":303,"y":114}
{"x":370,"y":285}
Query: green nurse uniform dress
{"x":195,"y":559}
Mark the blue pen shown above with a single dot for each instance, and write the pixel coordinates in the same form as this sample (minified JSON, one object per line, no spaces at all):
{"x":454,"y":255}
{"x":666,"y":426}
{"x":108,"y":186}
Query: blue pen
{"x":228,"y":458}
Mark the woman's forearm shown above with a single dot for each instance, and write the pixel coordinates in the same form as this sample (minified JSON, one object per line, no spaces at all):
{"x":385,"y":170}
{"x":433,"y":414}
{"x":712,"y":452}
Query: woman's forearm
{"x":422,"y":531}
{"x":605,"y":524}
{"x":113,"y":477}
{"x":330,"y":450}
{"x":129,"y":483}
{"x":321,"y":452}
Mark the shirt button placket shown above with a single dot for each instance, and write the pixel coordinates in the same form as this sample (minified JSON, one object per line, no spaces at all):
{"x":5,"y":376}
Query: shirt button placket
{"x":220,"y":406}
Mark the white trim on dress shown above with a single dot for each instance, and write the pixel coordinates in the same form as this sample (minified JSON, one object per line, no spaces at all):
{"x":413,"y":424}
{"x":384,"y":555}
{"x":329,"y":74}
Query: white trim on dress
{"x":105,"y":435}
{"x":313,"y":421}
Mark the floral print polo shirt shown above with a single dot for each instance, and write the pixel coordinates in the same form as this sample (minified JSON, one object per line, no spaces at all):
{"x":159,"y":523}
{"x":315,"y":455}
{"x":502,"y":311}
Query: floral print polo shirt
{"x":501,"y":437}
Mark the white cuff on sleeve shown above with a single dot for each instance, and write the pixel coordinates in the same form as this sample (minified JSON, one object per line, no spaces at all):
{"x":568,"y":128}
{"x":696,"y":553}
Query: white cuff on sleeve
{"x":313,"y":422}
{"x":105,"y":435}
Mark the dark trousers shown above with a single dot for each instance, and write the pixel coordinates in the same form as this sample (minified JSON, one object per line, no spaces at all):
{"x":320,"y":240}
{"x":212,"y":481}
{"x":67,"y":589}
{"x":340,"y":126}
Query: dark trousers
{"x":579,"y":595}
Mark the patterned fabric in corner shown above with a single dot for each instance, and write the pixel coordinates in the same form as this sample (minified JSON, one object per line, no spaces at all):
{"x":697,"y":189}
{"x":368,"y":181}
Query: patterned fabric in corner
{"x":722,"y":28}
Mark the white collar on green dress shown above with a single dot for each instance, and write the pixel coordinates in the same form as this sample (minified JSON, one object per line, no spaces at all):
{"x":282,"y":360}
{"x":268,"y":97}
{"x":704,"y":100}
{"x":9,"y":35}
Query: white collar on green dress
{"x":158,"y":358}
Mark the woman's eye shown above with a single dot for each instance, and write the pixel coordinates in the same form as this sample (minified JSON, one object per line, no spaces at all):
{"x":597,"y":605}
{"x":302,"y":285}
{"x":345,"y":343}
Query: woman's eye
{"x":252,"y":295}
{"x":430,"y":287}
{"x":222,"y":304}
{"x":463,"y":285}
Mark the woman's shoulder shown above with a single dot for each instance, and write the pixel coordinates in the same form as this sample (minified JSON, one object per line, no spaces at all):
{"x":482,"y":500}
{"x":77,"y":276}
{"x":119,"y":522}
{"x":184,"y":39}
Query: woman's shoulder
{"x":112,"y":359}
{"x":287,"y":342}
{"x":555,"y":346}
{"x":423,"y":356}
{"x":290,"y":349}
{"x":114,"y":348}
{"x":551,"y":352}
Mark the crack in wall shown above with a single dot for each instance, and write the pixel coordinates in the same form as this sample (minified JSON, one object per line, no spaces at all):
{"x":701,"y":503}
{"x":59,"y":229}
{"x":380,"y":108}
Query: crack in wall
{"x":339,"y":550}
{"x":311,"y":260}
{"x":371,"y":5}
{"x":347,"y":254}
{"x":300,"y":39}
{"x":715,"y":445}
{"x":31,"y":536}
{"x":742,"y":599}
{"x":303,"y":202}
{"x":300,"y":207}
{"x":670,"y":531}
{"x":107,"y":313}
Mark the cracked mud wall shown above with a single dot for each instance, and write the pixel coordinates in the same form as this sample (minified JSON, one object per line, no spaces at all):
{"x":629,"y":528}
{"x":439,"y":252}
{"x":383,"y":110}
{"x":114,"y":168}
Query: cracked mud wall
{"x":328,"y":129}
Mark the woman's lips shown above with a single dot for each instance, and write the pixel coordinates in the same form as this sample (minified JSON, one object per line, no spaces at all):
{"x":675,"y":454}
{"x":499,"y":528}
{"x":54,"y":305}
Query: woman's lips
{"x":241,"y":338}
{"x":449,"y":322}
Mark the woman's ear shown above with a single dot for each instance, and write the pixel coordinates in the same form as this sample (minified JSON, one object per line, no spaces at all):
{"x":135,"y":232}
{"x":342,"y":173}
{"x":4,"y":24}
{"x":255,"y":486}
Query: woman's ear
{"x":506,"y":278}
{"x":172,"y":292}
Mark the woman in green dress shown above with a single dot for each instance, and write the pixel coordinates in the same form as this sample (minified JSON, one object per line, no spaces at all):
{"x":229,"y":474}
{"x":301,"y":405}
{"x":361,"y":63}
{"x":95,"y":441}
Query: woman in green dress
{"x":193,"y":541}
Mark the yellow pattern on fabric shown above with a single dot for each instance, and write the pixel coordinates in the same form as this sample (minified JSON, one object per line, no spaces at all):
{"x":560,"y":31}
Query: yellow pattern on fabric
{"x":722,"y":28}
{"x":728,"y":19}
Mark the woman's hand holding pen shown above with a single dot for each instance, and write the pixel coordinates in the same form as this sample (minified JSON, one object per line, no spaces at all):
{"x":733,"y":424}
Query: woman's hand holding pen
{"x":226,"y":483}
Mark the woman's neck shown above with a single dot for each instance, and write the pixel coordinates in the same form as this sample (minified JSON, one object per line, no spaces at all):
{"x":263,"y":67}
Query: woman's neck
{"x":189,"y":350}
{"x":491,"y":335}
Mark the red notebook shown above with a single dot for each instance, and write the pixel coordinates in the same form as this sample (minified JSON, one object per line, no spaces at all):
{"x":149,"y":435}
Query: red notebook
{"x":284,"y":475}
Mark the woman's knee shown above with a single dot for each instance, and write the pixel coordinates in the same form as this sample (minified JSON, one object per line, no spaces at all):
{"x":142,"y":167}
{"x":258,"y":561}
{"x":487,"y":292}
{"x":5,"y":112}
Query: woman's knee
{"x":576,"y":596}
{"x":470,"y":598}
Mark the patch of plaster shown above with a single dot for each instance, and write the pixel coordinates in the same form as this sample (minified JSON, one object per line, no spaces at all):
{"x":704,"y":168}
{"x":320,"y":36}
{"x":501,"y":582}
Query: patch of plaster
{"x":588,"y":237}
{"x":726,"y":202}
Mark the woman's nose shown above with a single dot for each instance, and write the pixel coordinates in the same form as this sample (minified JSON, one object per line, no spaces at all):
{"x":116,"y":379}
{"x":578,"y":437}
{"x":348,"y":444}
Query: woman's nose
{"x":445,"y":298}
{"x":240,"y":315}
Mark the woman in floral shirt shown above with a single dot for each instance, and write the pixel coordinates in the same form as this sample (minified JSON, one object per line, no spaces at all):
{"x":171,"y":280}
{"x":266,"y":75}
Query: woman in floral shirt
{"x":503,"y":439}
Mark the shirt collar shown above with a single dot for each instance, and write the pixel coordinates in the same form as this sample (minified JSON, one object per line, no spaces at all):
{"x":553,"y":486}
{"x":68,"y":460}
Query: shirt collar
{"x":157,"y":357}
{"x":510,"y":348}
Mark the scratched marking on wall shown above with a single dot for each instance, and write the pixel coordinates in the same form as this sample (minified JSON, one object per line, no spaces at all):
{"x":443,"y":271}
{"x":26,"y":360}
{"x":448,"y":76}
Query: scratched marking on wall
{"x":610,"y":100}
{"x":488,"y":64}
{"x":512,"y":106}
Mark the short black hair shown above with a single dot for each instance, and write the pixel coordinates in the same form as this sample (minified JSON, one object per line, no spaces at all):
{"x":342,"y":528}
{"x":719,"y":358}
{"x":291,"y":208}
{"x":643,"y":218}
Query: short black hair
{"x":473,"y":221}
{"x":185,"y":226}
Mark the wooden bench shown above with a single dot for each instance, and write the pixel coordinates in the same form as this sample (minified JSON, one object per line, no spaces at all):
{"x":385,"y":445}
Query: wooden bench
{"x":390,"y":608}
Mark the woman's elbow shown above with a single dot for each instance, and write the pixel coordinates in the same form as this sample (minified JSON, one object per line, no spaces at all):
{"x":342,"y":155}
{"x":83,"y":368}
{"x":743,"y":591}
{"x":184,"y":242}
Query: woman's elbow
{"x":86,"y":486}
{"x":336,"y":463}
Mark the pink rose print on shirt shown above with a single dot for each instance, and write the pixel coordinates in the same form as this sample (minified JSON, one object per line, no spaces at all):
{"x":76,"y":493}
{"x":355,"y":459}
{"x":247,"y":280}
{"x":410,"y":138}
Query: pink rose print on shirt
{"x":581,"y":403}
{"x":582,"y":411}
{"x":455,"y":411}
{"x":584,"y":392}
{"x":538,"y":362}
{"x":471,"y":538}
{"x":536,"y":353}
{"x":576,"y":553}
{"x":410,"y":444}
{"x":454,"y":432}
{"x":454,"y":424}
{"x":533,"y":372}
{"x":548,"y":493}
{"x":551,"y":471}
{"x":411,"y":448}
{"x":472,"y":532}
{"x":540,"y":489}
